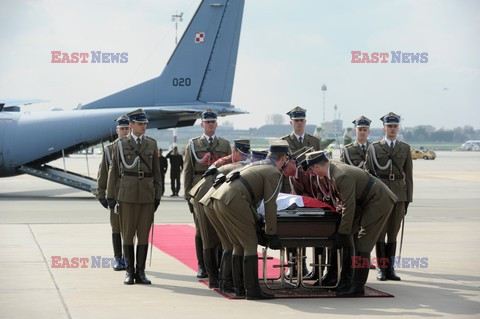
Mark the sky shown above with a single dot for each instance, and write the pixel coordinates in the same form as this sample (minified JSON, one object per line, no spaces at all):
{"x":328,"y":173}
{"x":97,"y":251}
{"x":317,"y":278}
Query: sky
{"x":288,"y":49}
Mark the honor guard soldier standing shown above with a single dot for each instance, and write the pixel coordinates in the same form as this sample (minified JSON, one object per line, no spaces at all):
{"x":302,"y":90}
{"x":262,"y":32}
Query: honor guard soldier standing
{"x":356,"y":188}
{"x":136,"y":169}
{"x":235,"y":202}
{"x":200,"y":153}
{"x":354,"y":153}
{"x":176,"y":167}
{"x":391,"y":161}
{"x":122,"y":130}
{"x":296,"y":140}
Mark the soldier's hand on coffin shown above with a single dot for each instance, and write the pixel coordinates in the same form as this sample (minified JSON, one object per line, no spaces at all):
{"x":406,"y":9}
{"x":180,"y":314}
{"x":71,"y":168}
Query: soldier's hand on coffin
{"x":157,"y":203}
{"x":406,"y":207}
{"x":190,"y":207}
{"x":273,"y":241}
{"x":343,"y":240}
{"x":104,"y":202}
{"x":111,"y":203}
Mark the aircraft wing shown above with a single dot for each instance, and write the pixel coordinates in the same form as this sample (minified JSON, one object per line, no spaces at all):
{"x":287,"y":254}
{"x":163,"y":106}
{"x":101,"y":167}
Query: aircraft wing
{"x":17,"y":102}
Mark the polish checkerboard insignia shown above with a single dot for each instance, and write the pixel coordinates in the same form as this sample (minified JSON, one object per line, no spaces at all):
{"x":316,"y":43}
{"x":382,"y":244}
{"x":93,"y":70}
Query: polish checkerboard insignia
{"x":199,"y":37}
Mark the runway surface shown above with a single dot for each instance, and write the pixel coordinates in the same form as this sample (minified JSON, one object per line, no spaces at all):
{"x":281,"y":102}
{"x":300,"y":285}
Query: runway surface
{"x":40,"y":220}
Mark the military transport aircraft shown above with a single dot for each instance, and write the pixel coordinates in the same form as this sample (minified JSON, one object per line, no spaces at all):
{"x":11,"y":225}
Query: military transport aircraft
{"x":199,"y":74}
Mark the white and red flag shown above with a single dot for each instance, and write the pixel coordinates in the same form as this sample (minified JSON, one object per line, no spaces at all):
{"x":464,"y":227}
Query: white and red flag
{"x":199,"y":37}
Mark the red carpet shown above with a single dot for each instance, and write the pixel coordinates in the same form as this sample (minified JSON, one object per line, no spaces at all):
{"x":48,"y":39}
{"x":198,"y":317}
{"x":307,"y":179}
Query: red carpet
{"x":178,"y":241}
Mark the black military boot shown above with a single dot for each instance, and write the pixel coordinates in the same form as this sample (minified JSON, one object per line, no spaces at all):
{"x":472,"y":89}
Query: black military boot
{"x":250,"y":278}
{"x":237,"y":275}
{"x":129,"y":262}
{"x":117,"y":252}
{"x":382,"y":272}
{"x":210,"y":260}
{"x":330,"y":278}
{"x":360,"y":276}
{"x":202,"y":272}
{"x":390,"y":253}
{"x":347,"y":271}
{"x":140,"y":277}
{"x":226,"y":278}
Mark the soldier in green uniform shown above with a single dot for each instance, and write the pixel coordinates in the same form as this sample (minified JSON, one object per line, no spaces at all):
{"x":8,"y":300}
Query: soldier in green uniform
{"x":356,"y":188}
{"x":296,"y":140}
{"x":122,"y":130}
{"x":354,"y":153}
{"x":235,"y":202}
{"x":391,"y":161}
{"x":200,"y":153}
{"x":231,"y":268}
{"x":210,"y":238}
{"x":135,"y":168}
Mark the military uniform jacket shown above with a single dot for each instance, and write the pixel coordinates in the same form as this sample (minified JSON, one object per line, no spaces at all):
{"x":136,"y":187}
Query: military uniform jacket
{"x":302,"y":184}
{"x":199,"y":155}
{"x":200,"y":189}
{"x":395,"y":168}
{"x":309,"y":141}
{"x":129,"y":163}
{"x":264,"y":180}
{"x":102,"y":175}
{"x":350,"y":183}
{"x":205,"y":192}
{"x":353,"y":154}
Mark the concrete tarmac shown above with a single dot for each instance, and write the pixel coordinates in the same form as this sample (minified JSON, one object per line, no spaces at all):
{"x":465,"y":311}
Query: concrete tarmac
{"x":40,"y":219}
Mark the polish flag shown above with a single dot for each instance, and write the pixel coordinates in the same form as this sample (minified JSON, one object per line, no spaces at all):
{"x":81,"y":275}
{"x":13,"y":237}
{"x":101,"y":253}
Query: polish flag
{"x":289,"y":201}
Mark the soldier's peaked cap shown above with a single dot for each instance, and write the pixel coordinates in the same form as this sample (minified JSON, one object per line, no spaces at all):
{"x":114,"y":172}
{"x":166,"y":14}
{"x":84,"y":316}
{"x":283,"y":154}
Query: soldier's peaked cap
{"x":138,"y":116}
{"x":362,"y":121}
{"x":279,"y":146}
{"x":122,"y":121}
{"x":316,"y":157}
{"x":259,"y":154}
{"x":297,"y":113}
{"x":243,"y":145}
{"x":390,"y":118}
{"x":209,"y":115}
{"x":300,"y":156}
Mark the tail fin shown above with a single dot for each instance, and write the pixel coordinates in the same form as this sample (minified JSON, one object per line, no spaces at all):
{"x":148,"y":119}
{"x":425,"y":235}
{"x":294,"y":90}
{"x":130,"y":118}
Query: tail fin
{"x":201,"y":68}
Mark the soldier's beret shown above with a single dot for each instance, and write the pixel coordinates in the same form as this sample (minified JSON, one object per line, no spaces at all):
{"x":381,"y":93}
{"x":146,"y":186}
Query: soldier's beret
{"x":390,"y":118}
{"x":362,"y":121}
{"x":138,"y":116}
{"x":297,"y":113}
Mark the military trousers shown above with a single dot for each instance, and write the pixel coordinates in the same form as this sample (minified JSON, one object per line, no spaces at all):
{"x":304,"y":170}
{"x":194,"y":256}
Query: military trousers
{"x":240,"y":227}
{"x":374,"y":216}
{"x":393,"y":224}
{"x":207,"y":231}
{"x":135,"y":220}
{"x":114,"y":222}
{"x":221,"y":232}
